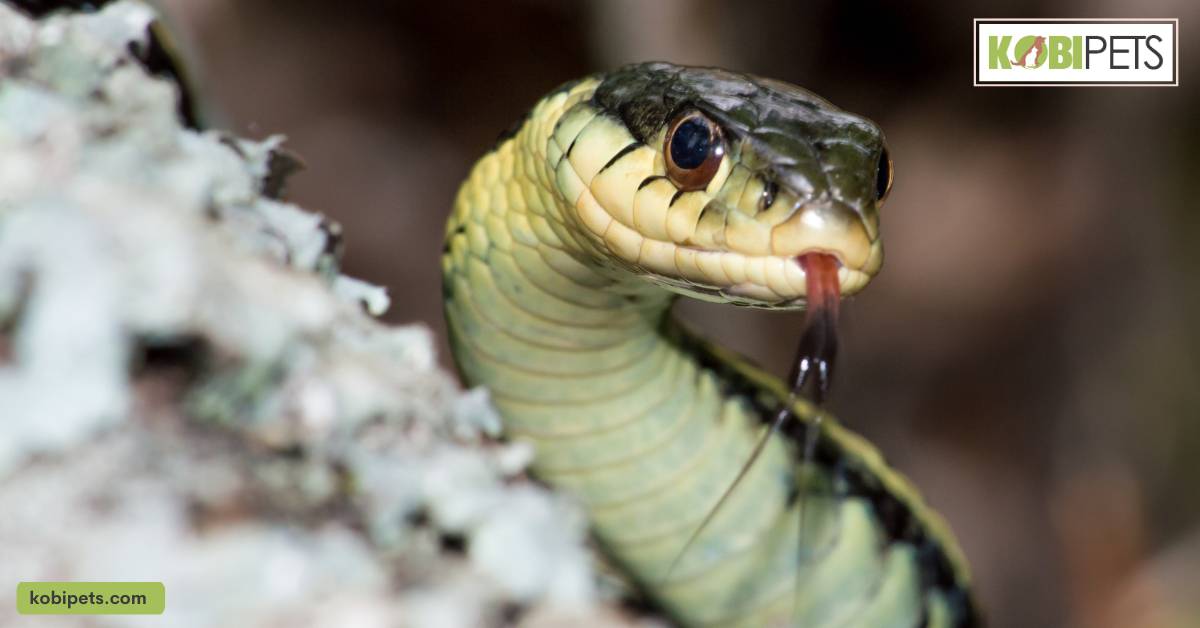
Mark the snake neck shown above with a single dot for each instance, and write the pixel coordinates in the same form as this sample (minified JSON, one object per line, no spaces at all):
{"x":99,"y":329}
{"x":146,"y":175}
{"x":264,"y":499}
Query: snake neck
{"x":512,"y":232}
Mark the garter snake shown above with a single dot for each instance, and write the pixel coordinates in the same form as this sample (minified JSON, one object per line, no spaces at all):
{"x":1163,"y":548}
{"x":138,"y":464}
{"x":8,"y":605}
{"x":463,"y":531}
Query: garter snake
{"x":565,"y":248}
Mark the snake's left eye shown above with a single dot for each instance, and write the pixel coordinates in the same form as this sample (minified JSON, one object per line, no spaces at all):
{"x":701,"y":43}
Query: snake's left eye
{"x":694,"y":148}
{"x":883,"y":176}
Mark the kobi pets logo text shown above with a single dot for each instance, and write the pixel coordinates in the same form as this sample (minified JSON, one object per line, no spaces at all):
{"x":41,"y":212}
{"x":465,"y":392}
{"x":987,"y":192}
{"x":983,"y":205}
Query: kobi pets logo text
{"x":1077,"y":52}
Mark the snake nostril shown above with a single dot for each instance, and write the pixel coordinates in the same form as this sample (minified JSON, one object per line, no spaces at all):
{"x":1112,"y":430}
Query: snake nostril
{"x":767,"y":198}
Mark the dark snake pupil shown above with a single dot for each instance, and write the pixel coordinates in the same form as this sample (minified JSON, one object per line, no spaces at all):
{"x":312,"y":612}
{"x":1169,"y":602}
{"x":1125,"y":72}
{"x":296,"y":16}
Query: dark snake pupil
{"x":691,"y":144}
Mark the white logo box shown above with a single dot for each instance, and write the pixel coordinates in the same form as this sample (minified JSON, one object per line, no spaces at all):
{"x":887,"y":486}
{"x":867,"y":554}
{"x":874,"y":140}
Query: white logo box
{"x":1154,"y":42}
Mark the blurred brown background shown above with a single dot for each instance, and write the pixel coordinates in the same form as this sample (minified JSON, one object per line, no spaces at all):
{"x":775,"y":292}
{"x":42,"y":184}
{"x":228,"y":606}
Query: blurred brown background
{"x":1030,"y":354}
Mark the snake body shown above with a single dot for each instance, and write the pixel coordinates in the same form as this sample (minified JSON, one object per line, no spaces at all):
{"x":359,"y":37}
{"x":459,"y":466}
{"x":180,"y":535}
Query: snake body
{"x":566,"y":246}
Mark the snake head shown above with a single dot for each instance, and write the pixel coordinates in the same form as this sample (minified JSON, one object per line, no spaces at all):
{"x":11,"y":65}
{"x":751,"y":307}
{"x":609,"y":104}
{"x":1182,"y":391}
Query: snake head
{"x":714,"y":183}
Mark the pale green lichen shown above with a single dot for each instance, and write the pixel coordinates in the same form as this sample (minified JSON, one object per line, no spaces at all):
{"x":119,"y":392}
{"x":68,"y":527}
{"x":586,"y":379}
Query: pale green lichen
{"x":191,"y":391}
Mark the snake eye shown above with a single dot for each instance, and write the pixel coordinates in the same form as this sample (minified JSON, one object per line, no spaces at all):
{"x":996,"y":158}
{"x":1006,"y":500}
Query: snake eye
{"x":883,"y":176}
{"x":694,"y":148}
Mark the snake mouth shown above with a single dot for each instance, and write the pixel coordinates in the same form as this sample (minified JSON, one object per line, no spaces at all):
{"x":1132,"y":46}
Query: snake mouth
{"x":785,"y":282}
{"x":766,"y":272}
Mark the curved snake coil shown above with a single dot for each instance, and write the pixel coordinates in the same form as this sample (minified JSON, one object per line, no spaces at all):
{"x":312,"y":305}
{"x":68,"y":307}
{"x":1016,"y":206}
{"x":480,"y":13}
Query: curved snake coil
{"x":566,"y":247}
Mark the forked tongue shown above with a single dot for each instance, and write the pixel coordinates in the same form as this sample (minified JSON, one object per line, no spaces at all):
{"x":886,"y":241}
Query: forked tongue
{"x":814,"y":360}
{"x":818,"y":345}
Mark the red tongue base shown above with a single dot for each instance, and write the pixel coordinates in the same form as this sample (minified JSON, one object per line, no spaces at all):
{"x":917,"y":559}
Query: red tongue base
{"x":818,"y":344}
{"x":821,"y":275}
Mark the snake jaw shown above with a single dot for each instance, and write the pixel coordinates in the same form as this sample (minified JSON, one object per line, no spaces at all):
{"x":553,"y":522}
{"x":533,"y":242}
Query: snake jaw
{"x":753,"y":260}
{"x":776,"y":238}
{"x":769,"y":282}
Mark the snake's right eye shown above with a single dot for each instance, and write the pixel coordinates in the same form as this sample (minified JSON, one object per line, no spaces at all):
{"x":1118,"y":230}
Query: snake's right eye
{"x":694,"y":149}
